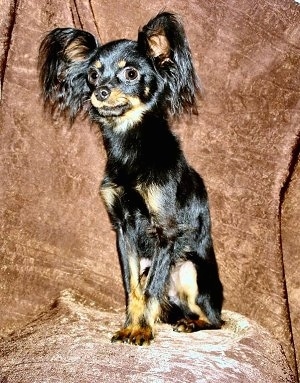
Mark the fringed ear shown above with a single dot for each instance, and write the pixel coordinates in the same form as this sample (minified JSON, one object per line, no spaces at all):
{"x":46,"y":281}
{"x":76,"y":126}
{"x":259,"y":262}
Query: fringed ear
{"x":64,"y":57}
{"x":163,"y":39}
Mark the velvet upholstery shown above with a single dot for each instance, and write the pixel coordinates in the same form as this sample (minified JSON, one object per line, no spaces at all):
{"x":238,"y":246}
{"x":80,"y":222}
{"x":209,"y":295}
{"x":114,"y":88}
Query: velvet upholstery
{"x":55,"y":235}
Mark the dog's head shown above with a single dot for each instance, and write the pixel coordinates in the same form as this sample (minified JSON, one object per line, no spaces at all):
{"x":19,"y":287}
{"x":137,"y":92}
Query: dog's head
{"x":123,"y":79}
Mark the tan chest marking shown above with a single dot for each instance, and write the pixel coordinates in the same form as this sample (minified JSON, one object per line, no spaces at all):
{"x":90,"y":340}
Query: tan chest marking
{"x":133,"y":116}
{"x":152,"y":196}
{"x":109,"y":194}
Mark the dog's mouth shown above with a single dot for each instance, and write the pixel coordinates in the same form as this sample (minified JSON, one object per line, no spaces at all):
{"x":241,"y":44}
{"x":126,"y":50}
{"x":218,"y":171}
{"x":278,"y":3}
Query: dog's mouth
{"x":113,"y":111}
{"x":123,"y":111}
{"x":112,"y":107}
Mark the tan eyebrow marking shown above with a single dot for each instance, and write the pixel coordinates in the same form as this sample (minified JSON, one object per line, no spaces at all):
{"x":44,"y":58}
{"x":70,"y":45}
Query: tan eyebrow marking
{"x":122,"y":64}
{"x":98,"y":64}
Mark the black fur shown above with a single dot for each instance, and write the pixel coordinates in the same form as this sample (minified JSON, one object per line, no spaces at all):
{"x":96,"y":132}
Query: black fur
{"x":156,"y":202}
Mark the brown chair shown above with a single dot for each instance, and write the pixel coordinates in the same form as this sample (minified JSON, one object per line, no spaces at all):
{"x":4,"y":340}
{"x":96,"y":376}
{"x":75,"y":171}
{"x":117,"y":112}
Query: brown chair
{"x":61,"y":295}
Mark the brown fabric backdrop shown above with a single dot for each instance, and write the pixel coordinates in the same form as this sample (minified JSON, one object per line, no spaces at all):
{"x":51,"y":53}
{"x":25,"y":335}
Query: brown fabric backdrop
{"x":54,"y":230}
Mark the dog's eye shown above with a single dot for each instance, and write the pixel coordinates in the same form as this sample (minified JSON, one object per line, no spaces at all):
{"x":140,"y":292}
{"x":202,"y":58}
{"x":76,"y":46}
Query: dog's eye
{"x":131,"y":74}
{"x":93,"y":76}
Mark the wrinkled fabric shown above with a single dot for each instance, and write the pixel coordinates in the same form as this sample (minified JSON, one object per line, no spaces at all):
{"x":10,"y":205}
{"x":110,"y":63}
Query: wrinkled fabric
{"x":71,"y":342}
{"x":54,"y":231}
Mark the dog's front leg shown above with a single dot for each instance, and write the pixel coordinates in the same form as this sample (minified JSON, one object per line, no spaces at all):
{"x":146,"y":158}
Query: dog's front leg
{"x":143,"y":300}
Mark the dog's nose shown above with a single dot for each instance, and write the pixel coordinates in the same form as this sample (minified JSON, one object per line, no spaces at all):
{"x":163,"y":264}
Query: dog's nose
{"x":102,"y":93}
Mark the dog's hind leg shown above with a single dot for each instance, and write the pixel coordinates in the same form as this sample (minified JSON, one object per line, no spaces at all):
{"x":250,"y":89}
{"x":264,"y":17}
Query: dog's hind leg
{"x":197,"y":306}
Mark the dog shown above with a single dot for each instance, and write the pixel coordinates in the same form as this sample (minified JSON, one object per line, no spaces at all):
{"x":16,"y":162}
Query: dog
{"x":157,"y":203}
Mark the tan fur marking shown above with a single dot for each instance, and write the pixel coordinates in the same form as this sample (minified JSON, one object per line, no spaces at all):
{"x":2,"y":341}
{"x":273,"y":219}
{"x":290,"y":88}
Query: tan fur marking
{"x":138,"y":309}
{"x":121,"y":64}
{"x":96,"y":103}
{"x":147,"y":91}
{"x":98,"y":64}
{"x":137,"y":306}
{"x":132,"y":116}
{"x":134,"y":276}
{"x":116,"y":98}
{"x":152,"y":196}
{"x":153,"y":311}
{"x":135,"y":334}
{"x":184,"y":279}
{"x":76,"y":51}
{"x":142,"y":313}
{"x":109,"y":193}
{"x":159,"y":45}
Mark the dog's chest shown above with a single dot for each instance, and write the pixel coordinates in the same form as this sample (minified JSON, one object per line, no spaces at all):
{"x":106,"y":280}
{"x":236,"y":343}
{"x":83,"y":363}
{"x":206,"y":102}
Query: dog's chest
{"x":137,"y":197}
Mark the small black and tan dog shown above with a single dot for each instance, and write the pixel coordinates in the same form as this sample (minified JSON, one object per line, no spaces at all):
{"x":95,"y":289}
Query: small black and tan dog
{"x":156,"y":202}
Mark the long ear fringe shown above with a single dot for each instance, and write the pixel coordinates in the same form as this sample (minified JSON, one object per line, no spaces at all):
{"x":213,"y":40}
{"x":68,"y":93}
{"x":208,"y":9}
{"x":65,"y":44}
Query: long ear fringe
{"x":183,"y":85}
{"x":63,"y":59}
{"x":175,"y":63}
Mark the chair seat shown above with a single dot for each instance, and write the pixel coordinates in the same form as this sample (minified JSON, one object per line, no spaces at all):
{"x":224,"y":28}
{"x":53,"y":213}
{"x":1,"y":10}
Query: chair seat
{"x":70,"y":342}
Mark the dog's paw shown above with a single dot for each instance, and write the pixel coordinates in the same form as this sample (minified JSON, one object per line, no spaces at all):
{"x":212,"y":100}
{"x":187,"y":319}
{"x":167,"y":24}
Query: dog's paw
{"x":136,"y":335}
{"x":191,"y":325}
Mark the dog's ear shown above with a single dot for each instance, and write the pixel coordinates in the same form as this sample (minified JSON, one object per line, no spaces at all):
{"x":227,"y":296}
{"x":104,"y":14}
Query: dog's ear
{"x":64,"y":57}
{"x":163,"y":39}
